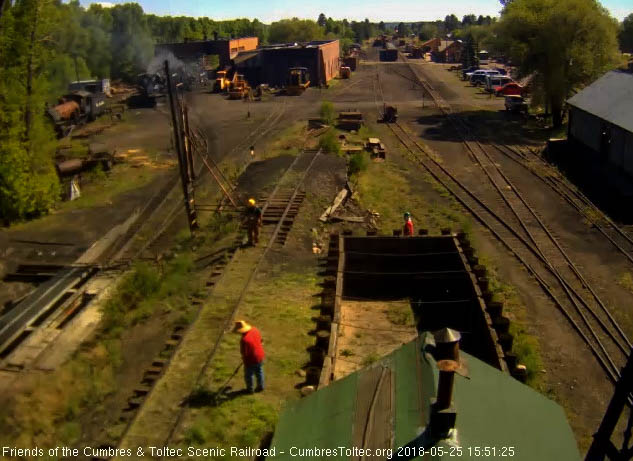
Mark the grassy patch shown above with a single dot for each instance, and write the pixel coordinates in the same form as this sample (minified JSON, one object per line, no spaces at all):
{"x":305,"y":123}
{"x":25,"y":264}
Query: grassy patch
{"x":525,"y":345}
{"x":626,"y":281}
{"x":71,"y":148}
{"x":289,"y":142}
{"x":527,"y":349}
{"x":280,"y":300}
{"x":101,"y":188}
{"x":386,"y":188}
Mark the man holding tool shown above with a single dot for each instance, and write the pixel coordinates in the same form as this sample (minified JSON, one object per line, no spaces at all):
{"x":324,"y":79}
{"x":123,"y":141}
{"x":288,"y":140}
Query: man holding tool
{"x":252,"y":355}
{"x":253,"y":221}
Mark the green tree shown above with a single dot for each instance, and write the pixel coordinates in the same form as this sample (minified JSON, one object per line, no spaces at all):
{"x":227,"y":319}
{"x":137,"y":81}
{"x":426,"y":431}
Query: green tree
{"x":470,"y":53}
{"x":567,"y":43}
{"x":28,"y":182}
{"x":322,"y":20}
{"x":625,"y":36}
{"x":130,"y":42}
{"x":294,"y":30}
{"x":451,"y":22}
{"x":469,"y":20}
{"x":428,"y":31}
{"x":381,"y":26}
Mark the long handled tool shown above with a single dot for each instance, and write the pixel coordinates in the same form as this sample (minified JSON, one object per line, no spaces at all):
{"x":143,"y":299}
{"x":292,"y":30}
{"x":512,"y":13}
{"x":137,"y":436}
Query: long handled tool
{"x":202,"y":397}
{"x":216,"y":397}
{"x":230,"y":378}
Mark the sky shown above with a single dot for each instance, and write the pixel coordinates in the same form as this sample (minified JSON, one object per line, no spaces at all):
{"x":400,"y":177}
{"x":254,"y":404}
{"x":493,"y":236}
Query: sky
{"x":376,"y":10}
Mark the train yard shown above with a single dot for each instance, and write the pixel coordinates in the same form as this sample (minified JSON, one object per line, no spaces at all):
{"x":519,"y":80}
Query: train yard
{"x":564,"y":270}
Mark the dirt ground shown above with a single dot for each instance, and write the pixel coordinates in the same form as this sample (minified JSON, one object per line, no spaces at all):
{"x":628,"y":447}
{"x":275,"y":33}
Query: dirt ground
{"x":370,"y":330}
{"x":570,"y":374}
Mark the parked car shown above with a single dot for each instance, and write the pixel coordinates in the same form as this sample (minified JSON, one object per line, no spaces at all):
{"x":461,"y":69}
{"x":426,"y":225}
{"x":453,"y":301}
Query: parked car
{"x":510,"y":89}
{"x":466,"y":73}
{"x":479,"y":76}
{"x":516,"y":104}
{"x":501,"y":71}
{"x":493,"y":81}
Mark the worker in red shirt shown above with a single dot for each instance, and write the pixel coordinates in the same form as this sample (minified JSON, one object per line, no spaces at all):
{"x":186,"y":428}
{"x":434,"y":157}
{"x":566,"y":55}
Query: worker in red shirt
{"x":252,"y":355}
{"x":407,"y":229}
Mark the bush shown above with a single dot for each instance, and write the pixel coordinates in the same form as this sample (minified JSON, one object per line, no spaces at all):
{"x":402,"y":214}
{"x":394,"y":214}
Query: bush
{"x":357,"y":163}
{"x":364,"y":132}
{"x":329,"y":143}
{"x":328,"y":114}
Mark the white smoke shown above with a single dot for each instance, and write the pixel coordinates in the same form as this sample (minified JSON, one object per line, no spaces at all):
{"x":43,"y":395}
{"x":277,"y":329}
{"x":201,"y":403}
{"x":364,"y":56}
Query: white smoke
{"x":157,"y":64}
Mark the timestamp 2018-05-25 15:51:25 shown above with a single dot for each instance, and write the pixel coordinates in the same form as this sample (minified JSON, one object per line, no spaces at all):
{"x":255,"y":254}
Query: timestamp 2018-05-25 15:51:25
{"x":458,"y":451}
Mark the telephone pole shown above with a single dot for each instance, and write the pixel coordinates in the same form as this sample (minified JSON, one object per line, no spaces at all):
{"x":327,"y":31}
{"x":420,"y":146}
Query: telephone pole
{"x":185,"y":160}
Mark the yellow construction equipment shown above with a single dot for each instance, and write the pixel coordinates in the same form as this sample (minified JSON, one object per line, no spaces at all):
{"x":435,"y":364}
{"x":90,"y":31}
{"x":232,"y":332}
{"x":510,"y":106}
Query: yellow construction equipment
{"x":221,"y":81}
{"x":239,"y":87}
{"x":298,"y":81}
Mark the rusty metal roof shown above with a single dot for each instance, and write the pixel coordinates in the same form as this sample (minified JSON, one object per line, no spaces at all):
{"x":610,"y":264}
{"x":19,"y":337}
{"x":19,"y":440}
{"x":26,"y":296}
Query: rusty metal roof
{"x":387,"y":405}
{"x":609,"y":98}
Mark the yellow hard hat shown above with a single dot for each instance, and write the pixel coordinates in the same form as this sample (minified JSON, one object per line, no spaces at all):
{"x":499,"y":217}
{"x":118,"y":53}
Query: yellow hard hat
{"x":241,"y":327}
{"x":251,"y":201}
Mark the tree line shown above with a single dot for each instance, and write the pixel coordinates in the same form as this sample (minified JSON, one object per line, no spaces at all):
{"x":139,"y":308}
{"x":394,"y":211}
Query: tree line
{"x":563,"y":45}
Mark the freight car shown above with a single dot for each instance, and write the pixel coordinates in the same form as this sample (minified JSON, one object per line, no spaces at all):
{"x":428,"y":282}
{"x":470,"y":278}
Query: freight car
{"x":389,"y":54}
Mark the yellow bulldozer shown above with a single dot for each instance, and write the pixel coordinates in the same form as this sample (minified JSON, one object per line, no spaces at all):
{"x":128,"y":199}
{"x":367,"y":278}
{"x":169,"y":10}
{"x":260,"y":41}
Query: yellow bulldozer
{"x":298,"y":81}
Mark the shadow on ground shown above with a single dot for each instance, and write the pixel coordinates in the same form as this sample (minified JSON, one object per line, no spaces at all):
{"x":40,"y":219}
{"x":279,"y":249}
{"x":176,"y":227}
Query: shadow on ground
{"x":488,"y":126}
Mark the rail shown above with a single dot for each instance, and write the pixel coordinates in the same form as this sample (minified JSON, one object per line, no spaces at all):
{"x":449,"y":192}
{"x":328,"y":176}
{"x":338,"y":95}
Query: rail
{"x":543,"y":251}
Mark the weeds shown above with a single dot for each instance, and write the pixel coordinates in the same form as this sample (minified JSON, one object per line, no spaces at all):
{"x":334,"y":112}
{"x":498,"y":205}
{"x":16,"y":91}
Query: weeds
{"x":400,"y":314}
{"x":327,"y":112}
{"x":365,"y":132}
{"x":371,"y":358}
{"x":358,"y":163}
{"x":525,"y":345}
{"x":329,"y":143}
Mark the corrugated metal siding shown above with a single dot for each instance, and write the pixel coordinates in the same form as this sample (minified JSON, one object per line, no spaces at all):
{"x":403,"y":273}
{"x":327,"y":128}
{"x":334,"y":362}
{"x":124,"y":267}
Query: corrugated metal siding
{"x":585,"y":128}
{"x":330,"y":53}
{"x":621,"y":151}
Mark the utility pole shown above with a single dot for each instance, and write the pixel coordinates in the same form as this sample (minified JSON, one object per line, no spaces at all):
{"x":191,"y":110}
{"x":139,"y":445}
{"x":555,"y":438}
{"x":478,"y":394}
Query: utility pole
{"x":181,"y":141}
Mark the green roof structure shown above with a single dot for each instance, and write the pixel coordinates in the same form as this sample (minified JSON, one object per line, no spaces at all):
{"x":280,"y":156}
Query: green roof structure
{"x":384,"y":412}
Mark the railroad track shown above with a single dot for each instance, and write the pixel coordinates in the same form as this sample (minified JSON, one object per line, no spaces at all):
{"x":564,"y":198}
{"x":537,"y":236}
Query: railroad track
{"x":167,"y":204}
{"x":279,"y":211}
{"x":139,"y":241}
{"x":535,"y":164}
{"x":518,"y":227}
